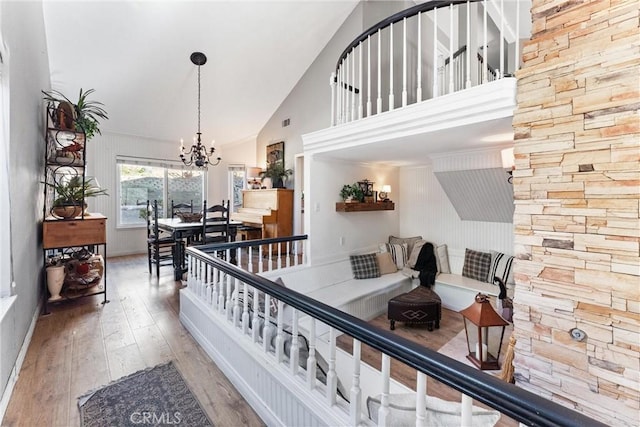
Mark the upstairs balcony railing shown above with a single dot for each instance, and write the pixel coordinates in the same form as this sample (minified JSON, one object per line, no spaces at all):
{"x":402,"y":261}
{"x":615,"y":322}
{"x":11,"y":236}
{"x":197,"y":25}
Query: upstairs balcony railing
{"x":429,"y":50}
{"x":243,"y":301}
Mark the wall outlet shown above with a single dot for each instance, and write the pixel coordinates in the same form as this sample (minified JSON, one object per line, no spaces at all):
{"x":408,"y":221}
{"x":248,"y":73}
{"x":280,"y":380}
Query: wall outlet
{"x":316,"y":207}
{"x":341,"y":241}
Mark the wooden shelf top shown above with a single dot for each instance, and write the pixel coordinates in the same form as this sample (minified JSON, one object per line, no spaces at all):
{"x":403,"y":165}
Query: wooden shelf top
{"x":364,"y":207}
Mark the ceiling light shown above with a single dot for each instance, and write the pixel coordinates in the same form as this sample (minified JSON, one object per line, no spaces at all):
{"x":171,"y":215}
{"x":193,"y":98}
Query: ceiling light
{"x":198,"y":155}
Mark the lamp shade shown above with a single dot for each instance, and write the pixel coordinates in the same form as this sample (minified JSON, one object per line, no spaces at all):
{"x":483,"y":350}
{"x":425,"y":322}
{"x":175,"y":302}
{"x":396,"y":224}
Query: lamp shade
{"x":508,"y":159}
{"x":253,"y":172}
{"x":386,"y":188}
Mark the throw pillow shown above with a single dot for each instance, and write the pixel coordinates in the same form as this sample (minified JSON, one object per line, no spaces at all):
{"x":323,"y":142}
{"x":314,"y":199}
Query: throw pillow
{"x":500,"y":266}
{"x":385,"y":263}
{"x":398,"y":253}
{"x":476,"y":265}
{"x":364,"y":266}
{"x":410,"y":241}
{"x":442,"y":256}
{"x":413,"y":257}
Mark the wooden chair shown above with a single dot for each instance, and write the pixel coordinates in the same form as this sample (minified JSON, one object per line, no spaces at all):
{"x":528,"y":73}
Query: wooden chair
{"x":181,"y":207}
{"x":215,"y":224}
{"x":160,"y":248}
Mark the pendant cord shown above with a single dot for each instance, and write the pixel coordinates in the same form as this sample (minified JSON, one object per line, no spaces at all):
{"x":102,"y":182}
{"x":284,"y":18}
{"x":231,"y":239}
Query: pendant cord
{"x":198,"y":103}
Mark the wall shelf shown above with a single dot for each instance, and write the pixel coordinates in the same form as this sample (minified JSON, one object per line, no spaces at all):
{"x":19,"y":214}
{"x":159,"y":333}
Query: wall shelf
{"x":364,"y":207}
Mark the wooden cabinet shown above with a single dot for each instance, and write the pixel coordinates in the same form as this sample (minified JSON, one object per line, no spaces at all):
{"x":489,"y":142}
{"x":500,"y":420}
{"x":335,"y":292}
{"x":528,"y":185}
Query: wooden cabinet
{"x":58,"y":233}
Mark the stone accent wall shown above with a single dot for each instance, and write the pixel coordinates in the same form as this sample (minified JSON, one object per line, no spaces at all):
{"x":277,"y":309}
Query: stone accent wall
{"x":576,"y":185}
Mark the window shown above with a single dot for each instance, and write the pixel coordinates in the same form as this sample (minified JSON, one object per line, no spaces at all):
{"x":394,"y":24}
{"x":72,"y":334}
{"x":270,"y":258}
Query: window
{"x":237,"y":182}
{"x":141,"y":180}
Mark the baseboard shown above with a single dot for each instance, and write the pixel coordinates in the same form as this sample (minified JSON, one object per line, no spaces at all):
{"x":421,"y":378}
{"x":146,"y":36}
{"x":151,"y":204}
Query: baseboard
{"x":15,"y":371}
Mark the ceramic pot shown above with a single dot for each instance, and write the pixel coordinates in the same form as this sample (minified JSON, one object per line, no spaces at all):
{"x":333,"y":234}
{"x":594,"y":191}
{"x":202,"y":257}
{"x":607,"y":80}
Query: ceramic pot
{"x":66,"y":212}
{"x":55,"y":280}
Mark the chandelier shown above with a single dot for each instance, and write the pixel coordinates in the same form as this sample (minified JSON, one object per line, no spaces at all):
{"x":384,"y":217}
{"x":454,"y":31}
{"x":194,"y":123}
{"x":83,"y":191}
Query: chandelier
{"x":198,"y":155}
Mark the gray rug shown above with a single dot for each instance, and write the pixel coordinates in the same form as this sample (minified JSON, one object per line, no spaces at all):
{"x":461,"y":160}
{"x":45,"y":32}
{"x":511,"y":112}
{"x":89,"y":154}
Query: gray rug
{"x":157,"y":396}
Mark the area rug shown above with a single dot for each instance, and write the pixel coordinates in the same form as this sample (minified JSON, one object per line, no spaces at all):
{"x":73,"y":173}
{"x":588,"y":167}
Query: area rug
{"x":157,"y":396}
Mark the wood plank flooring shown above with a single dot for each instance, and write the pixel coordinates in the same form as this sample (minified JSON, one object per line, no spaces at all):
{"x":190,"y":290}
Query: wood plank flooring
{"x":83,"y":345}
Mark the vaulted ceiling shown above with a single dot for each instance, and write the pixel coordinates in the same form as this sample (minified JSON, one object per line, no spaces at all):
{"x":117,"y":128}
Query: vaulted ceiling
{"x":136,"y":56}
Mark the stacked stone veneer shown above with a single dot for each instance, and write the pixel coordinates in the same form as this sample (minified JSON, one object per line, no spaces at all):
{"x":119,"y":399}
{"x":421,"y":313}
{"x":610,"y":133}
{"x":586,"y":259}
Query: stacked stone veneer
{"x":576,"y":186}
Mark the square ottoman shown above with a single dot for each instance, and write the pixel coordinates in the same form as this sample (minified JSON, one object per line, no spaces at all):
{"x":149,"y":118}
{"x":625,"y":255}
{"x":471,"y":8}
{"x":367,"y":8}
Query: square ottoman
{"x":421,"y":305}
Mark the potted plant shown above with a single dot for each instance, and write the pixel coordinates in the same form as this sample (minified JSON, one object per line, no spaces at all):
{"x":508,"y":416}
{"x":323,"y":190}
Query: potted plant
{"x":351,"y":193}
{"x":71,"y":194}
{"x":85,"y":114}
{"x":277,"y":173}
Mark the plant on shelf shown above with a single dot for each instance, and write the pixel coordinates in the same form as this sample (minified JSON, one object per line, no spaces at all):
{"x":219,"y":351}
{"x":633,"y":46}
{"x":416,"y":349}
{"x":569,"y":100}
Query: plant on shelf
{"x":277,"y":173}
{"x":352,"y":193}
{"x":71,"y":194}
{"x":86,"y":115}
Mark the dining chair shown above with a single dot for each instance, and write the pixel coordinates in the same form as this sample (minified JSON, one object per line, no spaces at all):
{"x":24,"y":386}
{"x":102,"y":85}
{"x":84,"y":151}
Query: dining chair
{"x":215,"y":224}
{"x":181,"y":207}
{"x":160,"y":248}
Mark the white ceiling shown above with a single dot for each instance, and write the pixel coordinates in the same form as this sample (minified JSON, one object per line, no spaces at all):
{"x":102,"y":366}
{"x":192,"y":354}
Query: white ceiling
{"x":136,"y":56}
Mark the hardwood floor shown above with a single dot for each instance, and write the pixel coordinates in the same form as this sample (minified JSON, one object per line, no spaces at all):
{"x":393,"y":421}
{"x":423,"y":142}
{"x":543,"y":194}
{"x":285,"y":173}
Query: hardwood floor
{"x":83,"y":345}
{"x":450,"y":325}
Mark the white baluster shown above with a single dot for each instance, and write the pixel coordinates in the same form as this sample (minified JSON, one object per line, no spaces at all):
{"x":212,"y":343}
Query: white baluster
{"x":332,"y":85}
{"x":279,"y":256}
{"x":516,"y":62}
{"x":502,"y":38}
{"x":348,"y":92}
{"x":270,"y":257}
{"x":332,"y":379}
{"x":260,"y":264}
{"x":236,"y":303}
{"x":466,"y":408}
{"x":353,"y":84}
{"x":383,"y":411}
{"x":311,"y":360}
{"x":361,"y":99}
{"x":355,"y":397}
{"x":216,"y":288}
{"x":339,"y":95}
{"x":250,"y":259}
{"x":245,"y":309}
{"x":267,"y":331}
{"x":421,"y":399}
{"x":279,"y":334}
{"x":419,"y":70}
{"x":468,"y":81}
{"x":404,"y":62}
{"x":485,"y":62}
{"x":369,"y":75}
{"x":228,"y":306}
{"x":379,"y":99}
{"x":451,"y":87}
{"x":255,"y":325}
{"x":294,"y":355}
{"x":391,"y":99}
{"x":435,"y":53}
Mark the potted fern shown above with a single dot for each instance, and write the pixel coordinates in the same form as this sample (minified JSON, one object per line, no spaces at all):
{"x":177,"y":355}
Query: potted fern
{"x":70,"y":196}
{"x":85,"y":114}
{"x":277,"y":173}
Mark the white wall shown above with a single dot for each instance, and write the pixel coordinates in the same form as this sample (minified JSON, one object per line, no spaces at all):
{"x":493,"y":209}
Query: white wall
{"x":361,"y":231}
{"x":101,"y":163}
{"x":22,"y":29}
{"x":428,"y":212}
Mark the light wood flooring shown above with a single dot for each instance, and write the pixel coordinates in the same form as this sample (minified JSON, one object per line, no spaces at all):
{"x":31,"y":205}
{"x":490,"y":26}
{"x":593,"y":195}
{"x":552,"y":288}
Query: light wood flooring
{"x":83,"y":345}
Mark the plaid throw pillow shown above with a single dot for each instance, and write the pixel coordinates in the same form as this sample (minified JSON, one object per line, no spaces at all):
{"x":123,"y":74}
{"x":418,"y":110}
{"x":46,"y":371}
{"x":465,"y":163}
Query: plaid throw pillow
{"x":476,"y":265}
{"x":364,"y":266}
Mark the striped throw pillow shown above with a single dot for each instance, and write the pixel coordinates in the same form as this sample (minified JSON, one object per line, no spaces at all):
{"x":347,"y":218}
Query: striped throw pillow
{"x":500,"y":267}
{"x":399,"y":253}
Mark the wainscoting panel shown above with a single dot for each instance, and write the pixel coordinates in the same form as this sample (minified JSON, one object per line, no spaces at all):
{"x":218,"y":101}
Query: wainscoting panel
{"x":429,"y":212}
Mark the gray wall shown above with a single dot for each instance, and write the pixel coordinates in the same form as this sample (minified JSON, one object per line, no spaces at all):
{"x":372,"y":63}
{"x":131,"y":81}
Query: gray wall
{"x":22,"y":29}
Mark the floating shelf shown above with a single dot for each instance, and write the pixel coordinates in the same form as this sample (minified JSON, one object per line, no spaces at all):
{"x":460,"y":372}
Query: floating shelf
{"x":364,"y":207}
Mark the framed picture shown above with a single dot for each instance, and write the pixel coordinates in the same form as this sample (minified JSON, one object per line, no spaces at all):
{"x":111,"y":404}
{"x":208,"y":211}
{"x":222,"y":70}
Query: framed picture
{"x":275,"y":153}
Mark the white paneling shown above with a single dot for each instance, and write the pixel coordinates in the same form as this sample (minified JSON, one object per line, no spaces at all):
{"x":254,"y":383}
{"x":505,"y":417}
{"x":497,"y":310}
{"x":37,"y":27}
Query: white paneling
{"x":428,"y":211}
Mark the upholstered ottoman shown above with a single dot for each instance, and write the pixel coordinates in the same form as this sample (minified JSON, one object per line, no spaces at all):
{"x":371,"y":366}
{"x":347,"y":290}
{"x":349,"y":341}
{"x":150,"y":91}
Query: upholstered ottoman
{"x":421,"y":305}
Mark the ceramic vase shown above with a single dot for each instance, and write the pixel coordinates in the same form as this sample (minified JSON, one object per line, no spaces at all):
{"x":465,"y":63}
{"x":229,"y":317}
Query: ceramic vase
{"x":55,"y":280}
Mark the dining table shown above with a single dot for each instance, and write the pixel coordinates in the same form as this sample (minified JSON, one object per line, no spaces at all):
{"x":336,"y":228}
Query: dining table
{"x":181,"y":230}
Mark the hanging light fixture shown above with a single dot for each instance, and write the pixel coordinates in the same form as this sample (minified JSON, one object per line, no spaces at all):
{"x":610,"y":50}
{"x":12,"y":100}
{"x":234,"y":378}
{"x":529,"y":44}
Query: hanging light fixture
{"x":198,"y":155}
